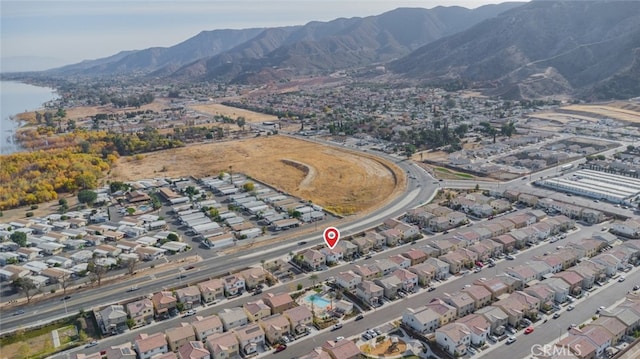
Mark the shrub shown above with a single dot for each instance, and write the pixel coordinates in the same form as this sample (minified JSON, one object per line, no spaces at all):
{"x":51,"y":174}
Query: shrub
{"x":34,"y":206}
{"x":29,"y":214}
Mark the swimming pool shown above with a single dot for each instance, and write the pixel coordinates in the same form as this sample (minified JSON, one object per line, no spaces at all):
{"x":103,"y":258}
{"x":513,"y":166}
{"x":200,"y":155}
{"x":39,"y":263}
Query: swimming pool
{"x":143,"y":208}
{"x":317,"y":300}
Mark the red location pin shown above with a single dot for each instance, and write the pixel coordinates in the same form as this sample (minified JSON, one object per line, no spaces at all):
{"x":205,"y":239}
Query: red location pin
{"x":331,"y":236}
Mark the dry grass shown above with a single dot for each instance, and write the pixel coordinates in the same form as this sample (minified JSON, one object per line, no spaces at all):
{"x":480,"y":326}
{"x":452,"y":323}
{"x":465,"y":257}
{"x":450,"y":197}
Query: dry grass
{"x":381,"y":349}
{"x":615,"y":112}
{"x":345,"y":181}
{"x":233,"y":112}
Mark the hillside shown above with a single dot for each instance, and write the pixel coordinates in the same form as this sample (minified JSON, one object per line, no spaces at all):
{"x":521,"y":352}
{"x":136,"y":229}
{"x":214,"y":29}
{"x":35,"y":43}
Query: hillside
{"x":543,"y":48}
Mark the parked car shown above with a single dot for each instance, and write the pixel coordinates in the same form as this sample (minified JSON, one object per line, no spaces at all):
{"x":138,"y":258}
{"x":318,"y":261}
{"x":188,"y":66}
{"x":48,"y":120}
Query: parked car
{"x":359,"y":317}
{"x":510,"y":257}
{"x":636,"y":287}
{"x":336,"y":326}
{"x":529,"y":330}
{"x":431,"y":289}
{"x":280,"y":348}
{"x":91,"y":344}
{"x":511,"y":340}
{"x":621,"y":279}
{"x":556,"y":315}
{"x":189,"y":313}
{"x":571,"y":307}
{"x":339,"y":338}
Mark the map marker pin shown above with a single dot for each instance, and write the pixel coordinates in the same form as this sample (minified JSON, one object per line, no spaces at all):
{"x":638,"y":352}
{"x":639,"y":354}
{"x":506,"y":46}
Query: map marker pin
{"x":331,"y":236}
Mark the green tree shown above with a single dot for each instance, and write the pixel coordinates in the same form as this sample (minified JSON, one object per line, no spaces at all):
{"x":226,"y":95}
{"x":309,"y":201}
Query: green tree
{"x":96,"y":271}
{"x":173,"y":237}
{"x":27,"y":287}
{"x":19,"y":237}
{"x":241,"y":122}
{"x":131,"y":211}
{"x":87,"y":196}
{"x":248,"y":186}
{"x":63,"y":201}
{"x":130,"y":323}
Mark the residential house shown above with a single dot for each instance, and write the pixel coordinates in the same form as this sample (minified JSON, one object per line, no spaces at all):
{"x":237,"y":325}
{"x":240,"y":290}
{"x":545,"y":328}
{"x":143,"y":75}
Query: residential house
{"x":590,"y":246}
{"x":348,"y":249}
{"x":212,"y":290}
{"x":234,"y":284}
{"x":178,"y":336}
{"x":193,"y":350}
{"x":481,"y":296}
{"x":581,"y":346}
{"x":378,"y":240}
{"x":233,"y":318}
{"x":559,"y":287}
{"x":541,"y":269}
{"x":447,"y":313}
{"x":514,"y":309}
{"x":141,"y":312}
{"x":523,"y":272}
{"x":494,"y":285}
{"x":478,"y":326}
{"x":348,"y":280}
{"x":223,"y":346}
{"x":370,"y":293}
{"x":462,"y":302}
{"x":530,"y":303}
{"x":148,"y":346}
{"x":392,"y":237}
{"x":625,"y":314}
{"x":205,"y":327}
{"x":542,"y":292}
{"x":553,"y":261}
{"x":256,"y":310}
{"x":332,"y":256}
{"x":385,"y":266}
{"x":507,"y":242}
{"x":408,"y":279}
{"x":616,"y":328}
{"x":316,"y":353}
{"x":364,"y":246}
{"x":250,"y":338}
{"x":367,"y":272}
{"x":416,"y":256}
{"x":482,"y":252}
{"x":113,"y":318}
{"x":573,"y":279}
{"x":300,"y":318}
{"x":279,"y":302}
{"x":390,"y":286}
{"x":313,"y":259}
{"x":629,"y":228}
{"x":454,"y":338}
{"x":164,"y":302}
{"x":442,"y":268}
{"x":189,"y":296}
{"x":597,"y":335}
{"x":610,"y":263}
{"x":496,"y":318}
{"x":423,"y":320}
{"x":275,"y":327}
{"x":495,"y":248}
{"x":253,"y":277}
{"x":123,"y":351}
{"x":425,"y":273}
{"x":343,"y":349}
{"x":401,"y":261}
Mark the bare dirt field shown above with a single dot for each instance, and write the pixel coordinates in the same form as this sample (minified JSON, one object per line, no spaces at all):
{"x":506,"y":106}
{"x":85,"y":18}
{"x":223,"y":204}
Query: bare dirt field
{"x":233,"y":112}
{"x":384,"y":348}
{"x":340,"y":180}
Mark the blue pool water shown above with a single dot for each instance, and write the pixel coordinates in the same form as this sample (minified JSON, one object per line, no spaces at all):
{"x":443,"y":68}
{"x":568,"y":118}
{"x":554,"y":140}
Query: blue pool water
{"x":317,"y":301}
{"x":143,"y":208}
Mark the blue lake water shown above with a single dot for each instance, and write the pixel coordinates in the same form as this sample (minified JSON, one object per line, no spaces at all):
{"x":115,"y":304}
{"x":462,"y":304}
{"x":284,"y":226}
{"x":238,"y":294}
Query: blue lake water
{"x":17,"y":98}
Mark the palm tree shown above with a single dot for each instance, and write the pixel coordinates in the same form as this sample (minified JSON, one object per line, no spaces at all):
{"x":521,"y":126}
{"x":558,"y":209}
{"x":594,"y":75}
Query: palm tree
{"x":313,"y":278}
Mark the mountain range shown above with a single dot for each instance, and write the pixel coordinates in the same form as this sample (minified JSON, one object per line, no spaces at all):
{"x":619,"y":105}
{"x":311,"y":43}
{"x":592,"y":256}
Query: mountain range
{"x":587,"y":49}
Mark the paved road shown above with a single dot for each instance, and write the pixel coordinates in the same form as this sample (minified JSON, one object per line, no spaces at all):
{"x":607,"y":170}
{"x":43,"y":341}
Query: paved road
{"x":372,"y":318}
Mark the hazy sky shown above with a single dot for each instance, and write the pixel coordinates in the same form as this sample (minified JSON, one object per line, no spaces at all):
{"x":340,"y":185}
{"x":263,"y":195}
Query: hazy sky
{"x":48,"y":33}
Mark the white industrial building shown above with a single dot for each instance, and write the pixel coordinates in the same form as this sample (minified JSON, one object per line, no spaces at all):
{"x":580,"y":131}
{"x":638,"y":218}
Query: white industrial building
{"x":598,"y":185}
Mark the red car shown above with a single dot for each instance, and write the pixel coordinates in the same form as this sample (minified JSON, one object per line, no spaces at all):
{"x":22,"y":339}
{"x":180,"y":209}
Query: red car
{"x":529,"y":330}
{"x":280,"y":348}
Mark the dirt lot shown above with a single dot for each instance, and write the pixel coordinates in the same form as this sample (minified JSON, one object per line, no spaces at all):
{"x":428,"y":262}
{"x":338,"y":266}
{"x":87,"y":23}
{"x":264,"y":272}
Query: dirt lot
{"x":233,"y":112}
{"x":383,"y":349}
{"x":344,"y":181}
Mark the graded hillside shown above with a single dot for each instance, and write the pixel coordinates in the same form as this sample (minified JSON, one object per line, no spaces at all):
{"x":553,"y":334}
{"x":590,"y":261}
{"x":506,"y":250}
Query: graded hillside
{"x":340,"y":180}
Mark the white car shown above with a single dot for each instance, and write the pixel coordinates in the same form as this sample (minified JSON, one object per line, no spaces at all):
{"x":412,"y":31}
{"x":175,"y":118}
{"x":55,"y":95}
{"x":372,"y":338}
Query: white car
{"x":571,"y":307}
{"x":621,"y":279}
{"x":339,"y":338}
{"x":511,"y":340}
